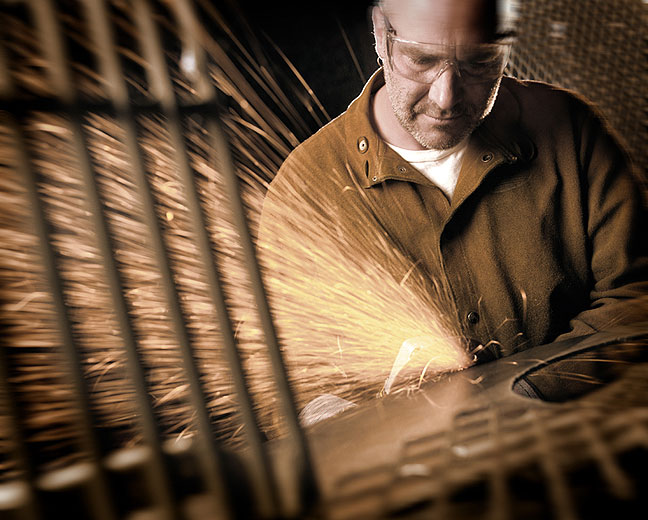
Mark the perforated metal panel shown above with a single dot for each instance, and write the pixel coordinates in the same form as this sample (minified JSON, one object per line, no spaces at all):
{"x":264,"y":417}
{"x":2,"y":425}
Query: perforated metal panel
{"x":595,"y":47}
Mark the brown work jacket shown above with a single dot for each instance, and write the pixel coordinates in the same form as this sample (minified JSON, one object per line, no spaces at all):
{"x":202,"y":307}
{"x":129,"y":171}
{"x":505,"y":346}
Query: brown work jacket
{"x":544,"y":235}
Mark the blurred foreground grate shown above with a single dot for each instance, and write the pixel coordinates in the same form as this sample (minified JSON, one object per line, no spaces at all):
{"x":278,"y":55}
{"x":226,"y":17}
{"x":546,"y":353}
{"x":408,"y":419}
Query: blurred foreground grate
{"x":125,"y":211}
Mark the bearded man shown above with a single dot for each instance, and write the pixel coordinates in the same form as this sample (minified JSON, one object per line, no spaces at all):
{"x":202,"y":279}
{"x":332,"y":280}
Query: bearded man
{"x":513,"y":194}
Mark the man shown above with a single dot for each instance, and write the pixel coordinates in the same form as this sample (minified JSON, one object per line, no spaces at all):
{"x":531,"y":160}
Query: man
{"x":513,"y":194}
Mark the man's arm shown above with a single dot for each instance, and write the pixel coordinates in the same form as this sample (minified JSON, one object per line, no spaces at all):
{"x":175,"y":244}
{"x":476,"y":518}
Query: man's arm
{"x":616,"y":220}
{"x":616,"y":223}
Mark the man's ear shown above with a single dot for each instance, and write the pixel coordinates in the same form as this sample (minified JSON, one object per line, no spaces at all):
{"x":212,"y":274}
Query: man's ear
{"x":378,"y":21}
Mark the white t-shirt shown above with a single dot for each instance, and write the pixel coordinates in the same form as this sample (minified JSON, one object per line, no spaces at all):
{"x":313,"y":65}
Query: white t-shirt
{"x":440,"y":166}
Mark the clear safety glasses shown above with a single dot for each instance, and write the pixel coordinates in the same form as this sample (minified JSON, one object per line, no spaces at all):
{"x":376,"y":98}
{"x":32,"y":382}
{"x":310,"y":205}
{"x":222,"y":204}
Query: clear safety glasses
{"x":425,"y":62}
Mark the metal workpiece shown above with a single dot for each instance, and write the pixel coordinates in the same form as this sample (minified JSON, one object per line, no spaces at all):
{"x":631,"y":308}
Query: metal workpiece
{"x":477,"y":444}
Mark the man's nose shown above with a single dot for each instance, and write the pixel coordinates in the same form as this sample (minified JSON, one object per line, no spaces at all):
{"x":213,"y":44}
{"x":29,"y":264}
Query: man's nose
{"x":446,"y":90}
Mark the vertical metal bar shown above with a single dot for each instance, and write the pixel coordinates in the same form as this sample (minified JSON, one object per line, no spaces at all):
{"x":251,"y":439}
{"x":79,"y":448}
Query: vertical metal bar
{"x":89,"y":437}
{"x":308,"y":481}
{"x":17,"y":434}
{"x":163,"y":90}
{"x":263,"y":477}
{"x":53,"y":48}
{"x":309,"y":493}
{"x":102,"y":507}
{"x":6,"y":84}
{"x":209,"y":458}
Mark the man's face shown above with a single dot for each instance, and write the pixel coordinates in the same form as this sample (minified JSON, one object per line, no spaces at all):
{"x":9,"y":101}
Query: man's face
{"x":441,"y":114}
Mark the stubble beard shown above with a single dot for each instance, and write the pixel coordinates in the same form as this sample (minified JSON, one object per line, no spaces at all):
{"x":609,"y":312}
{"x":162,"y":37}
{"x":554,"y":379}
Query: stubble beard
{"x":439,"y":138}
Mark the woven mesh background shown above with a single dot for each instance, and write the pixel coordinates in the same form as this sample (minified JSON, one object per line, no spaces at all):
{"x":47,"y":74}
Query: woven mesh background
{"x":595,"y":47}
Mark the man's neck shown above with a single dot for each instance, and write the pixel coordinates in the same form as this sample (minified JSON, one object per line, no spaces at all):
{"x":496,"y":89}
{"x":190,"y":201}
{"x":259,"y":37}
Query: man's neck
{"x":387,"y":125}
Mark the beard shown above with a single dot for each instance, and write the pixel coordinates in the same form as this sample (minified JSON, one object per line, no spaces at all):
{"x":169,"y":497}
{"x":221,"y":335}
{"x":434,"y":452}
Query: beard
{"x":431,"y":126}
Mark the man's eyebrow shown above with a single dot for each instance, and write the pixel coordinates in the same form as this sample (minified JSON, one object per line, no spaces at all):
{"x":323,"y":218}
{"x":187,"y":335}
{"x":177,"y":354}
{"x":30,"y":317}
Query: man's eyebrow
{"x":414,"y":49}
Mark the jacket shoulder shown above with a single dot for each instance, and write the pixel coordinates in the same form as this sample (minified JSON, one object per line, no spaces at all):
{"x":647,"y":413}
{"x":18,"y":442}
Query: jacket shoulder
{"x":318,"y":144}
{"x":552,"y":108}
{"x":316,"y":156}
{"x":563,"y":116}
{"x":547,"y":99}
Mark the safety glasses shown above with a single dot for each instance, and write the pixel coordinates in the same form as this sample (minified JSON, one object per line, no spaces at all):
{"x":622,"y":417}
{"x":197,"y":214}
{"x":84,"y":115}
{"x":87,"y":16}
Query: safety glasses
{"x":425,"y":62}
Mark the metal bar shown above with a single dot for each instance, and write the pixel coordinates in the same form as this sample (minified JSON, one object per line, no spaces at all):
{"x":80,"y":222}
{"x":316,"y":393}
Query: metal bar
{"x":309,"y":489}
{"x":263,"y":477}
{"x":7,"y":88}
{"x":163,"y":90}
{"x":161,"y":86}
{"x":54,"y":51}
{"x":304,"y":473}
{"x":209,"y":457}
{"x":50,"y":105}
{"x":17,"y":434}
{"x":89,"y":437}
{"x":308,"y":493}
{"x":29,"y":509}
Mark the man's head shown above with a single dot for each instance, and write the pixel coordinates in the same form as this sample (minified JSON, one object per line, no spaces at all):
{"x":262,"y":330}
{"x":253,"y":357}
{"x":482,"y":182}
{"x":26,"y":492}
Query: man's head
{"x":443,"y":65}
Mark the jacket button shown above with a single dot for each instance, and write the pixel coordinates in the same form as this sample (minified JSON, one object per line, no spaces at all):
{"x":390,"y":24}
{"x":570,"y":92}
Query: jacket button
{"x":473,"y":317}
{"x":374,"y":178}
{"x":402,"y":169}
{"x":487,"y":157}
{"x":363,"y":144}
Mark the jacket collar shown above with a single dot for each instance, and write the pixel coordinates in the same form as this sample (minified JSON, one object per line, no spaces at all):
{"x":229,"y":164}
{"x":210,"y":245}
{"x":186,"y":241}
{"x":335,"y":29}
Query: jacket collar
{"x":499,"y":139}
{"x":369,"y":155}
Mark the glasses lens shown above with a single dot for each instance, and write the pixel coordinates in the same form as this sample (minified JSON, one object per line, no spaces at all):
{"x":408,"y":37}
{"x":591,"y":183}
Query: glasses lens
{"x":425,"y":62}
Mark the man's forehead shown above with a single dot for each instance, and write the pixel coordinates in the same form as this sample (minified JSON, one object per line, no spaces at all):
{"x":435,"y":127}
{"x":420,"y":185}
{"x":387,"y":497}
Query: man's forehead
{"x":437,"y":21}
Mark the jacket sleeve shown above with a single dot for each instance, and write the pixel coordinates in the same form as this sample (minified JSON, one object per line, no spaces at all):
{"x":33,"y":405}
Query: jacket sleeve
{"x":289,"y":273}
{"x":615,"y":220}
{"x":294,"y":232}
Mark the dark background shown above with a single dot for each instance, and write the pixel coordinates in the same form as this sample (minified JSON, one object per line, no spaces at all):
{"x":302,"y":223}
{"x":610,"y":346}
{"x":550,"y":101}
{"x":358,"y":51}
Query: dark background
{"x":312,"y":35}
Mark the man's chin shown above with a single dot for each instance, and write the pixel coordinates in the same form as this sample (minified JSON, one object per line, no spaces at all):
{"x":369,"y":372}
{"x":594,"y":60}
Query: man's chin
{"x":439,"y":134}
